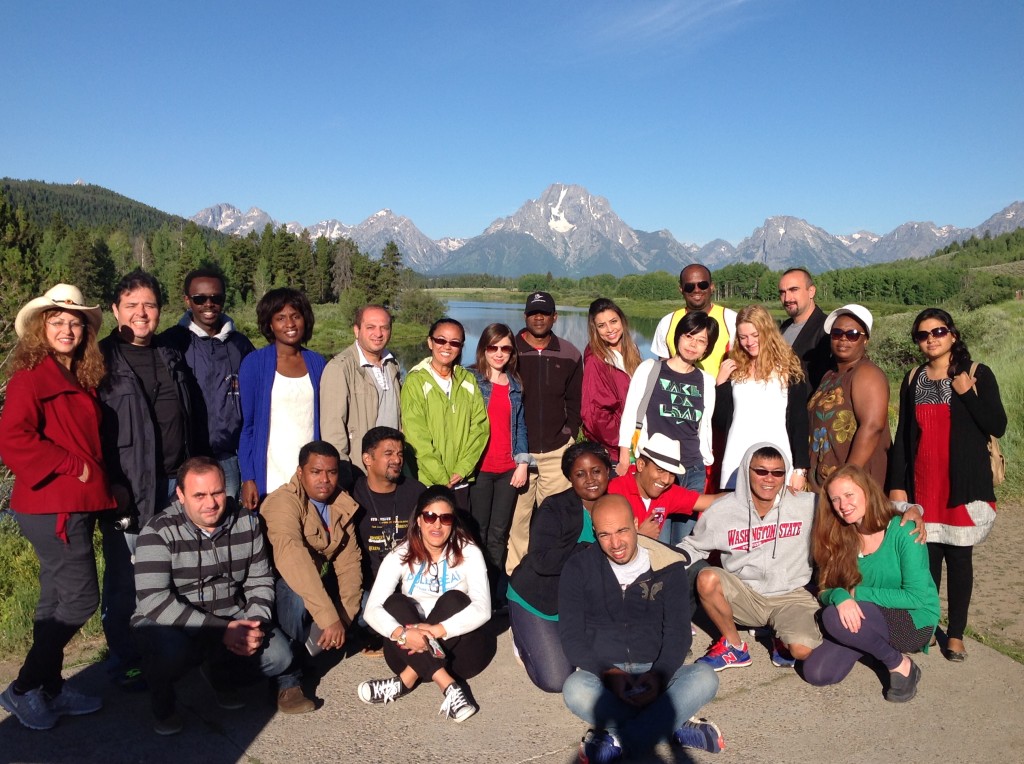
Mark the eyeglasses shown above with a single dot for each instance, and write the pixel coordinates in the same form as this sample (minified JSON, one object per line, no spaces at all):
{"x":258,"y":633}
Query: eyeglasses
{"x":938,"y":331}
{"x":432,"y":517}
{"x":442,"y":342}
{"x":692,"y":286}
{"x":499,"y":349}
{"x":851,"y":334}
{"x":764,"y":472}
{"x":202,"y":299}
{"x":60,"y":323}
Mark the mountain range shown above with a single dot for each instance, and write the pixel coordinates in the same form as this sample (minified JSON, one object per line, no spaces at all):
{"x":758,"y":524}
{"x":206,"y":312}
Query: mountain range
{"x":570,"y":232}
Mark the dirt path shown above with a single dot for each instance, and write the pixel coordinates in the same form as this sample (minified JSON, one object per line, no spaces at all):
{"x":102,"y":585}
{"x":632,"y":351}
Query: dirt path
{"x":997,"y":607}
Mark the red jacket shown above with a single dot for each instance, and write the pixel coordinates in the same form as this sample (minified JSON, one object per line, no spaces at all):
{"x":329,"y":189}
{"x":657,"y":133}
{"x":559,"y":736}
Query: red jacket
{"x":50,"y":429}
{"x":604,"y":393}
{"x":676,"y":500}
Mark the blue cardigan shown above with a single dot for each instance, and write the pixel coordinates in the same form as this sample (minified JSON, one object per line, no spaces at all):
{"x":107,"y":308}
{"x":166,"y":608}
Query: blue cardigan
{"x":255,"y":381}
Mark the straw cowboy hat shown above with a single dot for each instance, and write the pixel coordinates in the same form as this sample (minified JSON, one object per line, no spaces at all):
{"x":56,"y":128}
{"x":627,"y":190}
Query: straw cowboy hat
{"x":60,"y":297}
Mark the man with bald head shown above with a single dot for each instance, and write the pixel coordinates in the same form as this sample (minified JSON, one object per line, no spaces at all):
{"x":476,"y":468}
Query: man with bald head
{"x":624,"y":620}
{"x":697,"y":289}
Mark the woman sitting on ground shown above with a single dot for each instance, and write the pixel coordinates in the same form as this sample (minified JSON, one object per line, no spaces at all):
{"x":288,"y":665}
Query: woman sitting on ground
{"x":880,"y":600}
{"x":430,"y":600}
{"x":560,"y":526}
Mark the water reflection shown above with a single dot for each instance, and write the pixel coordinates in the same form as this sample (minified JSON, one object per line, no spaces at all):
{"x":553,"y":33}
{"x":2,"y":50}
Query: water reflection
{"x":476,"y":316}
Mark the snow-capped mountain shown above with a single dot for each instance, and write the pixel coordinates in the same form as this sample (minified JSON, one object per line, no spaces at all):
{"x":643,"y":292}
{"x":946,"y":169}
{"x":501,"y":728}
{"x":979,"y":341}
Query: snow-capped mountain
{"x":569,"y":232}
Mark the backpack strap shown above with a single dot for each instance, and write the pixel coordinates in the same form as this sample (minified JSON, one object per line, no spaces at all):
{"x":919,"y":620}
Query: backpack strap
{"x":652,"y":380}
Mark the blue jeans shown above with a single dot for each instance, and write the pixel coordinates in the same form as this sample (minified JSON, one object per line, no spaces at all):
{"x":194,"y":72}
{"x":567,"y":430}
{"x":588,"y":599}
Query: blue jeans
{"x":119,"y":585}
{"x":640,"y":729}
{"x":540,"y":648}
{"x":290,"y":609}
{"x":232,"y":476}
{"x":675,"y":528}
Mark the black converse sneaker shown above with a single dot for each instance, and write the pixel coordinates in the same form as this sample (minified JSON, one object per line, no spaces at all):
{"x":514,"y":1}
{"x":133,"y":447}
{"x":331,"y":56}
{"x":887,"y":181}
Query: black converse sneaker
{"x":382,"y":690}
{"x":455,"y":705}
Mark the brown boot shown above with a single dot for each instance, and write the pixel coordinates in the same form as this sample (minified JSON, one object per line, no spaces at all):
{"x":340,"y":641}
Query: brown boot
{"x":292,"y":701}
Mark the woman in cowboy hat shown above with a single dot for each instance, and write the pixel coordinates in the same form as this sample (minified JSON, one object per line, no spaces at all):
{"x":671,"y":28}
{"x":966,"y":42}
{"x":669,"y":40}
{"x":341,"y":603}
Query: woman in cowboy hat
{"x":50,"y":439}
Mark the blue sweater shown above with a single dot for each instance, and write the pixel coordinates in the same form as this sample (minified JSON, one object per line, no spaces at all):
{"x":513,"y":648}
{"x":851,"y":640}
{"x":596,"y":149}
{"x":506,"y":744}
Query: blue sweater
{"x":255,"y":382}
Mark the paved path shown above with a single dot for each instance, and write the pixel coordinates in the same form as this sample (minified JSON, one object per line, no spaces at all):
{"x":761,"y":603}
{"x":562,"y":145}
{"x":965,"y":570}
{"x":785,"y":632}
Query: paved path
{"x":969,"y":712}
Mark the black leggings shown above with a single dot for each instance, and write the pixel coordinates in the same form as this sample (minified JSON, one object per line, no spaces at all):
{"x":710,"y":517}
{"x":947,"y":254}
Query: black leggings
{"x":465,"y":656}
{"x":959,"y":582}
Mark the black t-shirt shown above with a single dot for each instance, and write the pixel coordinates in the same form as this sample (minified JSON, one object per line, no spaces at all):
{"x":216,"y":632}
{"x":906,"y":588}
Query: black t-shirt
{"x":675,"y":410}
{"x":164,"y":404}
{"x":382,"y":520}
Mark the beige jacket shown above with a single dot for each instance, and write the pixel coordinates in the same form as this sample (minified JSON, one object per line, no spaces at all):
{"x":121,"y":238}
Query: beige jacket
{"x":302,"y":549}
{"x":349,"y":400}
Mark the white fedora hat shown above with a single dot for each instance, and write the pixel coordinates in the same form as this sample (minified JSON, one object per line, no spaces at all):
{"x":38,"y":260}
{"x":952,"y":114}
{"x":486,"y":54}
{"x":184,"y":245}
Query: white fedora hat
{"x":60,"y":297}
{"x":663,"y":451}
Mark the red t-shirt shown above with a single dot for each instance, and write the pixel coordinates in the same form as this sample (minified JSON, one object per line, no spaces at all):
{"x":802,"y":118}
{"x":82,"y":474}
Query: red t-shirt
{"x":498,"y":456}
{"x":676,"y":500}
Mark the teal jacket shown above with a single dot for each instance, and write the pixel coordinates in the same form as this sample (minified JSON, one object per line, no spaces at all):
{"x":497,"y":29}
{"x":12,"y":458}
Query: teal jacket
{"x":447,"y":437}
{"x":896,"y":575}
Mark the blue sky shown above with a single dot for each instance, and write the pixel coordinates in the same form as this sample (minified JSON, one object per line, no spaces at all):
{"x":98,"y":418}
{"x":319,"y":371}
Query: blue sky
{"x":700,"y":116}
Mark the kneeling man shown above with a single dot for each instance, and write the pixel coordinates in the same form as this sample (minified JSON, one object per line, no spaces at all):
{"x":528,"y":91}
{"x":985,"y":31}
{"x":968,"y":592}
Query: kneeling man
{"x":624,"y":619}
{"x":312,"y":534}
{"x":204,"y":595}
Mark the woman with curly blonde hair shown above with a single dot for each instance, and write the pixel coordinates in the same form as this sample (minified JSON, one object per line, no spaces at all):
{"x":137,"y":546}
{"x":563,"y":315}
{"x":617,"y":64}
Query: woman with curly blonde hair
{"x":50,"y":440}
{"x":879,"y":597}
{"x":761,"y":392}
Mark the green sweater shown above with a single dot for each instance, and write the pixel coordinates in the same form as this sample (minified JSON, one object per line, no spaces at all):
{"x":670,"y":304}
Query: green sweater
{"x":895,"y":575}
{"x":448,"y":436}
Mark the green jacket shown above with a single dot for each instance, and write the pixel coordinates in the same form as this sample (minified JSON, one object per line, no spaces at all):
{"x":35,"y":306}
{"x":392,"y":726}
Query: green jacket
{"x":448,"y":437}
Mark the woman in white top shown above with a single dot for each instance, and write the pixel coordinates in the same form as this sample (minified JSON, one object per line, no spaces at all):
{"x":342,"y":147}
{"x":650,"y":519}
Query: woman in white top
{"x":429,"y":600}
{"x":762,"y":396}
{"x":279,"y":387}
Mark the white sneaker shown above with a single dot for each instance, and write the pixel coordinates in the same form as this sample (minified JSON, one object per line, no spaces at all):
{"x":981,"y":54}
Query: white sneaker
{"x":31,"y":708}
{"x":455,"y":705}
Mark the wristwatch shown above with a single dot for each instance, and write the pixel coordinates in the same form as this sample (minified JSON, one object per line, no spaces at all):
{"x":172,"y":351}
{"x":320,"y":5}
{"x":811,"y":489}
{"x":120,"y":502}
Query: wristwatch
{"x":402,"y":637}
{"x":801,"y":472}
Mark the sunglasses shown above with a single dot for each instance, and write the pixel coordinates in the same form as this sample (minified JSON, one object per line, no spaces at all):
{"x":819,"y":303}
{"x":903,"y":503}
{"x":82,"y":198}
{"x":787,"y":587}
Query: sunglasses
{"x":499,"y":348}
{"x":202,"y":299}
{"x":432,"y":517}
{"x":851,"y":334}
{"x":693,"y":286}
{"x":938,"y":331}
{"x":764,"y":472}
{"x":442,"y":342}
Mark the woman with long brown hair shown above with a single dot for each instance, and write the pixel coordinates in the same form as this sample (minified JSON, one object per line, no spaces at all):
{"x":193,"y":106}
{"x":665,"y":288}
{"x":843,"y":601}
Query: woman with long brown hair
{"x":880,"y":600}
{"x":760,"y":394}
{"x":50,"y":440}
{"x":609,"y":360}
{"x":430,"y":600}
{"x":945,"y":404}
{"x":504,"y":467}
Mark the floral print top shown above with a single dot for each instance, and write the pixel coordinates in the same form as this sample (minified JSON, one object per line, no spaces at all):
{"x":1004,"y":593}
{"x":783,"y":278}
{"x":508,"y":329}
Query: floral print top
{"x":833,"y":425}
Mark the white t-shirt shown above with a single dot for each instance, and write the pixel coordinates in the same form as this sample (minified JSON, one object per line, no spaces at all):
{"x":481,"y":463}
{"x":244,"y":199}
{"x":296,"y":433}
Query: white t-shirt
{"x":291,"y":426}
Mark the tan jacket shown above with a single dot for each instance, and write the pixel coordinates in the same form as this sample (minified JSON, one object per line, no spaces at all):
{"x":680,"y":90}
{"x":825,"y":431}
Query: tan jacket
{"x":349,"y":400}
{"x":302,"y":548}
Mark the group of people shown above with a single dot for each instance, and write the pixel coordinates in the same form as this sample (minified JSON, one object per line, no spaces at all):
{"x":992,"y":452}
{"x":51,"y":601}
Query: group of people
{"x":260,"y":506}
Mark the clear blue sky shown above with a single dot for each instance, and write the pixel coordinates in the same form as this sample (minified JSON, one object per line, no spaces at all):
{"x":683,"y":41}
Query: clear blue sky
{"x":700,"y":116}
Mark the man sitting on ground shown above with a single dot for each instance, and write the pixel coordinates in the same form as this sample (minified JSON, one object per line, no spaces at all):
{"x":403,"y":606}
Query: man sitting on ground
{"x":624,"y":619}
{"x":194,"y":607}
{"x":311,"y":530}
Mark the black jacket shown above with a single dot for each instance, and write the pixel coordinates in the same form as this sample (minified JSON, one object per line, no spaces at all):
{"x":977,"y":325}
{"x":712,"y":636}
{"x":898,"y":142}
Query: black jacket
{"x":128,"y":431}
{"x":601,"y":625}
{"x":554,"y":535}
{"x":813,"y":347}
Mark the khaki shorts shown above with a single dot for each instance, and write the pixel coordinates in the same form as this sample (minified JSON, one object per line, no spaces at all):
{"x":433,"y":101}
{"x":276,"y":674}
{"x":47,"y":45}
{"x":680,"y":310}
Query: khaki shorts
{"x":791,"y":616}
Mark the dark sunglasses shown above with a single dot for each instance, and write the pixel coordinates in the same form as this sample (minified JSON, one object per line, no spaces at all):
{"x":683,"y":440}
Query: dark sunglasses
{"x":202,"y":299}
{"x":442,"y":342}
{"x":499,"y":348}
{"x":701,"y":285}
{"x":851,"y":334}
{"x":764,"y":472}
{"x":923,"y":334}
{"x":432,"y":517}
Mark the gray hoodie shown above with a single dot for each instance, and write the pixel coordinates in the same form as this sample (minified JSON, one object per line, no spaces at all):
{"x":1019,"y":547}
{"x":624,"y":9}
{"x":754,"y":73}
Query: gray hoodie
{"x":771,"y":555}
